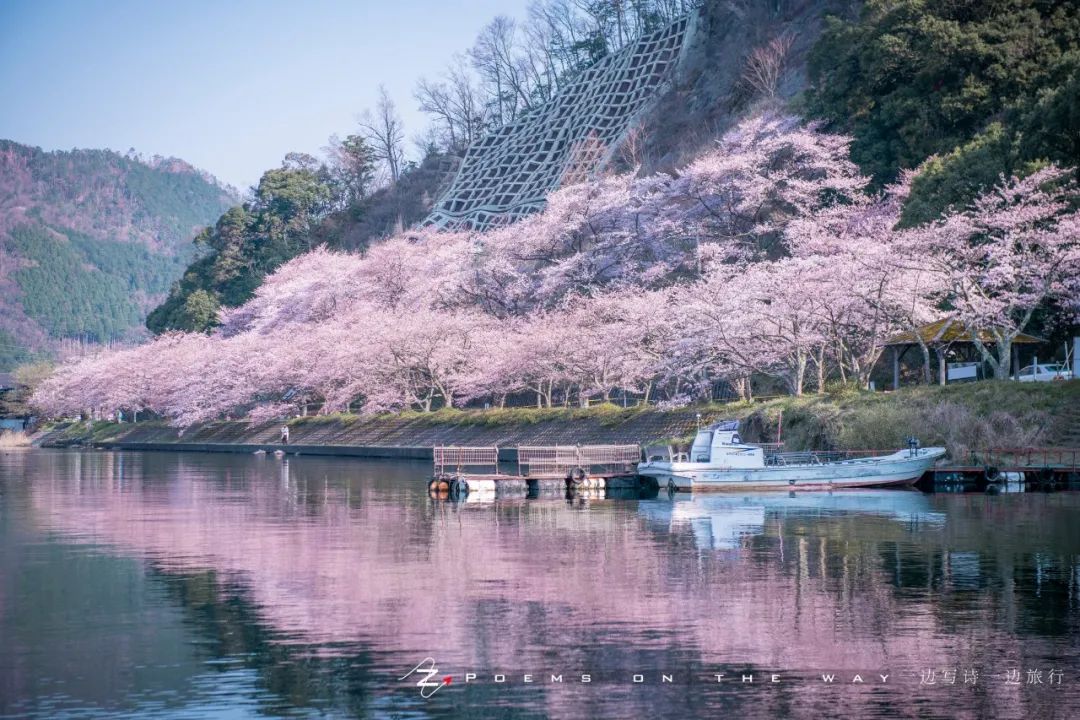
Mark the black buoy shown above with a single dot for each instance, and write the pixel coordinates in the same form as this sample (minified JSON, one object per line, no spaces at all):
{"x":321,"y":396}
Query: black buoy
{"x":577,"y":475}
{"x":459,"y":488}
{"x":1046,"y":479}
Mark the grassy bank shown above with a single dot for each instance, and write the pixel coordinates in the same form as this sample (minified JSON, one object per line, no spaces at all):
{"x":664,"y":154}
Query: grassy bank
{"x":960,"y":417}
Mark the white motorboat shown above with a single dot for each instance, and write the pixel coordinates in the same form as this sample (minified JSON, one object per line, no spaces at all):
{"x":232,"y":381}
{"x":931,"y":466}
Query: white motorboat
{"x":720,"y":460}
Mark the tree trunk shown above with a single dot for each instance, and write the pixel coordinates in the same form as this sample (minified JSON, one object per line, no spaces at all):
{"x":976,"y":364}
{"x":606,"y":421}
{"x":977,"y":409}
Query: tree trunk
{"x":926,"y":362}
{"x":742,"y":386}
{"x":821,"y":370}
{"x":1004,"y":352}
{"x":895,"y":367}
{"x":799,"y":375}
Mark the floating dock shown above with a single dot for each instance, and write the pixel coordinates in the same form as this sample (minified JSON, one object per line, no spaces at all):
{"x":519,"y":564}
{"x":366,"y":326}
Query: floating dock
{"x":1033,"y":467}
{"x":611,"y":470}
{"x":540,"y":470}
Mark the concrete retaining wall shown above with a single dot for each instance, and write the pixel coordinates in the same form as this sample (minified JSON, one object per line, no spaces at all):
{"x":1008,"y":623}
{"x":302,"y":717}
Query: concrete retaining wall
{"x":405,"y":437}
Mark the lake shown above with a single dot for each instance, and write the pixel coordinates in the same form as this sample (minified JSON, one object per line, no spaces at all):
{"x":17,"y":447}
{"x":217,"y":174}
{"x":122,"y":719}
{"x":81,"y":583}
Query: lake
{"x":186,"y":585}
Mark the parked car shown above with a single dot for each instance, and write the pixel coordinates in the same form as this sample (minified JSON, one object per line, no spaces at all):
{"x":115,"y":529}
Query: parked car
{"x":1045,"y":373}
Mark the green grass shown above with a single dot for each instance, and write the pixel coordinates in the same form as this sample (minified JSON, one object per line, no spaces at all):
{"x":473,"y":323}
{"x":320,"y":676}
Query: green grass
{"x":960,"y":417}
{"x":608,"y":414}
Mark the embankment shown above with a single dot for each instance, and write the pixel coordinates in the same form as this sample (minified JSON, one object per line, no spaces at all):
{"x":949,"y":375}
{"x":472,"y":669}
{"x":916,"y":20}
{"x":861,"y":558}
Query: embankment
{"x":960,"y":417}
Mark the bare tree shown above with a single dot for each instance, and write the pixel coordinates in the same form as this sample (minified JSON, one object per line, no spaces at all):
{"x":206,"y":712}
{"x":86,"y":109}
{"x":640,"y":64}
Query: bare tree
{"x":385,"y":133}
{"x":582,"y":160}
{"x":496,"y":58}
{"x":434,"y":99}
{"x":456,"y":104}
{"x":631,"y":150}
{"x":765,"y":65}
{"x":515,"y":66}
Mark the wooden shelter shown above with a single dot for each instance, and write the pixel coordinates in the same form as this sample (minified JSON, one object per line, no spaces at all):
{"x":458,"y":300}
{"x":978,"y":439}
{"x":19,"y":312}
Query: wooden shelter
{"x":945,"y":334}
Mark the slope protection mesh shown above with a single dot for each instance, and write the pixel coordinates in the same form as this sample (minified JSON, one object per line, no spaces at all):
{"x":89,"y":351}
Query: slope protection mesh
{"x":508,"y":173}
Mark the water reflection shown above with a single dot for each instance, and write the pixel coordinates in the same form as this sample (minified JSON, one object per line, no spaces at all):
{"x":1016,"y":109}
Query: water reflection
{"x":722,"y":521}
{"x":187,"y":584}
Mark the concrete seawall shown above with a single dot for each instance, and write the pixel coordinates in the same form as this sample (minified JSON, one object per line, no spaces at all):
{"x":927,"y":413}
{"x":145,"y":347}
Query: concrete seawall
{"x":366,"y":451}
{"x":402,"y":437}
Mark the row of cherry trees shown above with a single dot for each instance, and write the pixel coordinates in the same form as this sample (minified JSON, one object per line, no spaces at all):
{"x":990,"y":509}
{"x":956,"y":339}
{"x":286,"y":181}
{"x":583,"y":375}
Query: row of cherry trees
{"x":765,"y":257}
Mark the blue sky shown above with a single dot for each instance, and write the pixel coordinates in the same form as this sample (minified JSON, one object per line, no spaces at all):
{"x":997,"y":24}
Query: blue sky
{"x":230,"y":86}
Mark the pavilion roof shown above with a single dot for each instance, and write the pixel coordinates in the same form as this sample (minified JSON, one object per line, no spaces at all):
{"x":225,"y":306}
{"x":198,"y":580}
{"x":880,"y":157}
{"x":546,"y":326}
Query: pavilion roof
{"x":950,"y":331}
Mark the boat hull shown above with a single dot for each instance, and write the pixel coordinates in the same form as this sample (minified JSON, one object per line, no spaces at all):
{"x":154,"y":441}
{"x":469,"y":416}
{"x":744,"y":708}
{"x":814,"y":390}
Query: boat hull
{"x":898,"y":469}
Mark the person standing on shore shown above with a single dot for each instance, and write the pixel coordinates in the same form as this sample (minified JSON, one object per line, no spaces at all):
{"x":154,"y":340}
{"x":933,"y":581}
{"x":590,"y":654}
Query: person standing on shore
{"x":284,"y":434}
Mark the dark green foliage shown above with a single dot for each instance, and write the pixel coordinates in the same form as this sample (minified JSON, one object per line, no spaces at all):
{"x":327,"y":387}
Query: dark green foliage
{"x":12,"y":352}
{"x":175,"y":203}
{"x":914,"y":78}
{"x":1049,"y":123}
{"x":247,"y":243}
{"x":78,"y":287}
{"x":953,"y":179}
{"x":133,"y":266}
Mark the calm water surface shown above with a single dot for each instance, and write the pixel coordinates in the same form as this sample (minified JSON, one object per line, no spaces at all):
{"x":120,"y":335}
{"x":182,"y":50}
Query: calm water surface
{"x":187,"y":585}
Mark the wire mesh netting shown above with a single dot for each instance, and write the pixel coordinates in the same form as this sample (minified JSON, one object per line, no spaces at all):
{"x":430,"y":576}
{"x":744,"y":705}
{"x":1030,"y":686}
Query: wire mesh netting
{"x":508,"y":173}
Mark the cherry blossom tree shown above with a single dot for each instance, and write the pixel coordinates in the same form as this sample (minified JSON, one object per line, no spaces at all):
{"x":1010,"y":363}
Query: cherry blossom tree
{"x":869,"y":289}
{"x":1016,"y":248}
{"x":765,"y":171}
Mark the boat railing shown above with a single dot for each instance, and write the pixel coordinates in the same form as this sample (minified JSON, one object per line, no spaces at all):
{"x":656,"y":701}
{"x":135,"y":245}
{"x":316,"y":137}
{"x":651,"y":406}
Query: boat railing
{"x":820,"y":457}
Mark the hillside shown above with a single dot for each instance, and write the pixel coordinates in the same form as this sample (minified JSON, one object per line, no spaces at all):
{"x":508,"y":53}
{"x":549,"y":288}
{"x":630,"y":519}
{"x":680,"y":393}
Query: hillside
{"x":90,"y":240}
{"x":610,"y":109}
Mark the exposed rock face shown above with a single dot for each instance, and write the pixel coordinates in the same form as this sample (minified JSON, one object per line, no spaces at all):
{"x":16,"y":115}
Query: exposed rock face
{"x":712,"y":87}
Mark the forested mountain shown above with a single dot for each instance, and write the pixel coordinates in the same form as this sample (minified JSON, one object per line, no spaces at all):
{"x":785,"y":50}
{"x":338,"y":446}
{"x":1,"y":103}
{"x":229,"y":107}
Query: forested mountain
{"x":90,"y":240}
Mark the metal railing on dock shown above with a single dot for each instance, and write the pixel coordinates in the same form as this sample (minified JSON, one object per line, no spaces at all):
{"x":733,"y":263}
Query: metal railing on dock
{"x":1035,"y":457}
{"x":459,"y":459}
{"x":538,"y":461}
{"x":561,"y":459}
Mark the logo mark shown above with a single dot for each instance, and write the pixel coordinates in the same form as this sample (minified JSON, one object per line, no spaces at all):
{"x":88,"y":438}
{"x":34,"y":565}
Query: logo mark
{"x":427,"y":669}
